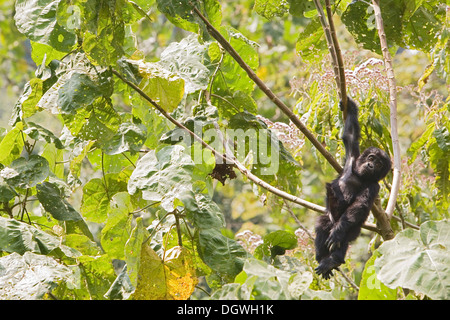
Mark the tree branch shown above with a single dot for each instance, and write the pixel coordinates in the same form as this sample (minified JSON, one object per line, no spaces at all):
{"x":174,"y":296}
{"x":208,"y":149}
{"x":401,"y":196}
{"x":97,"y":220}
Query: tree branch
{"x":340,"y":61}
{"x":280,"y":104}
{"x":228,"y":158}
{"x":393,"y":107}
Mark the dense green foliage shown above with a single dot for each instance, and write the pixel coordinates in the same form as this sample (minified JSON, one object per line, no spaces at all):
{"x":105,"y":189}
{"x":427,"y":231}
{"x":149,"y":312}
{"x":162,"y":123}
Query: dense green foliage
{"x":103,"y":197}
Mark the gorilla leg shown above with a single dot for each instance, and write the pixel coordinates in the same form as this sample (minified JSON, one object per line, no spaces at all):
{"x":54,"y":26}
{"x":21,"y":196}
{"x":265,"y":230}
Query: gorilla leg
{"x":323,"y":228}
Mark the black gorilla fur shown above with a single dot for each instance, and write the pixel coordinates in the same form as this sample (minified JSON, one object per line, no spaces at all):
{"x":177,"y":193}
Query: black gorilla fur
{"x":349,"y":197}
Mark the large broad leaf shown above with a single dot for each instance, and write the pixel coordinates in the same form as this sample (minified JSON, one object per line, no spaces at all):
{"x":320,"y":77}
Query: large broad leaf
{"x":224,"y":255}
{"x":233,"y":77}
{"x":370,"y":288}
{"x":129,"y":137}
{"x":179,"y":12}
{"x":163,"y":86}
{"x":162,"y":176}
{"x":6,"y":192}
{"x":78,"y":92}
{"x":268,"y":155}
{"x":26,"y":173}
{"x":117,"y":229}
{"x":186,"y":58}
{"x":262,"y":281}
{"x":98,"y":121}
{"x":133,"y":248}
{"x":16,"y":236}
{"x":11,"y":145}
{"x":37,"y":20}
{"x":37,"y":132}
{"x":202,"y":211}
{"x":359,"y":19}
{"x":418,"y":260}
{"x":97,"y":194}
{"x":172,"y":278}
{"x":54,"y":202}
{"x":32,"y":93}
{"x":31,"y":276}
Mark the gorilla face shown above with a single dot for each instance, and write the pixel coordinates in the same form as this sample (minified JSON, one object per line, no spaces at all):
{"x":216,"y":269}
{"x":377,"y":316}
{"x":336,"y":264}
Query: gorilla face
{"x":373,"y":164}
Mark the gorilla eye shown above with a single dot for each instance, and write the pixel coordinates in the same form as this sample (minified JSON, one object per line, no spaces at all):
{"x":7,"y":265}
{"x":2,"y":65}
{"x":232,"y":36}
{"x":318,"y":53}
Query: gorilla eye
{"x":371,"y":157}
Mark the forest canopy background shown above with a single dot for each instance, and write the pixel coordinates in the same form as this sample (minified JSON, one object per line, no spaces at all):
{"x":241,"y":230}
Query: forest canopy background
{"x":105,"y":195}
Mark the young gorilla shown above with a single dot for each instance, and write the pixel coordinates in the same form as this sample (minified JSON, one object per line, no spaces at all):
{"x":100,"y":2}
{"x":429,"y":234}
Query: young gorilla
{"x":349,"y":197}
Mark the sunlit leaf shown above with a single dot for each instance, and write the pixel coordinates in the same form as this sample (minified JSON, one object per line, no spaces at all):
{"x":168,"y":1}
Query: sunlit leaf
{"x":30,"y":276}
{"x":37,"y":20}
{"x":133,"y":248}
{"x":418,"y":260}
{"x":162,"y":86}
{"x":172,"y":278}
{"x":117,"y":229}
{"x":162,"y":176}
{"x":97,"y":194}
{"x":271,"y":8}
{"x":19,"y":237}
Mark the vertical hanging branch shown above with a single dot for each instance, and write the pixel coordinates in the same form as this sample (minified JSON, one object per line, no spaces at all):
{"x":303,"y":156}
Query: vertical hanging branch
{"x":340,"y":61}
{"x":393,"y":107}
{"x":335,"y":51}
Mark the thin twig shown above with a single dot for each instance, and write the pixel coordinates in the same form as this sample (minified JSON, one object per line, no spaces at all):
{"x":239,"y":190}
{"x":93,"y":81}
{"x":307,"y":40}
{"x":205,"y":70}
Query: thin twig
{"x":289,"y":209}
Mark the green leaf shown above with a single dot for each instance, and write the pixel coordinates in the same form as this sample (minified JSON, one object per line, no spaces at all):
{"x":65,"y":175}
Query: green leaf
{"x":162,"y":176}
{"x":99,"y":121}
{"x":129,"y":137}
{"x":418,"y":260}
{"x":36,"y":132}
{"x":261,"y":281}
{"x":117,"y":229}
{"x":271,"y":8}
{"x":276,"y":243}
{"x":11,"y":144}
{"x":370,"y":288}
{"x":311,"y":44}
{"x":202,"y":211}
{"x":359,"y":18}
{"x":41,"y":51}
{"x":233,"y":77}
{"x":16,"y":236}
{"x":121,"y":289}
{"x":163,"y":86}
{"x":31,"y":276}
{"x":27,"y":102}
{"x":96,"y":196}
{"x":78,"y":92}
{"x":26,"y":173}
{"x":133,"y":249}
{"x":187,"y":59}
{"x":54,"y":202}
{"x":37,"y":20}
{"x":224,"y":255}
{"x":6,"y":192}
